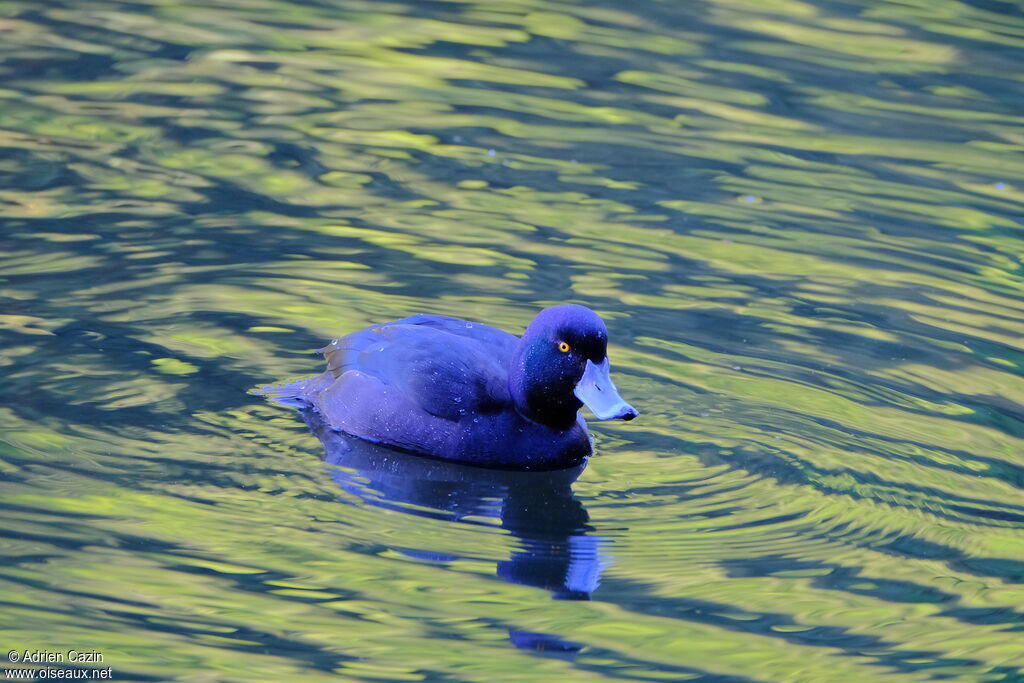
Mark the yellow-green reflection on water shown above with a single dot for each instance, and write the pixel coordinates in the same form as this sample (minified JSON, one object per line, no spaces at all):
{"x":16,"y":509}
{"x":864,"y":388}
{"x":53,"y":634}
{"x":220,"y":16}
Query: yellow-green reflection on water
{"x":801,"y":221}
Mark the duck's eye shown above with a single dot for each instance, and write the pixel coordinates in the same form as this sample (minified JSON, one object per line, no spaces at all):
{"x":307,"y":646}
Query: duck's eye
{"x":563,"y":347}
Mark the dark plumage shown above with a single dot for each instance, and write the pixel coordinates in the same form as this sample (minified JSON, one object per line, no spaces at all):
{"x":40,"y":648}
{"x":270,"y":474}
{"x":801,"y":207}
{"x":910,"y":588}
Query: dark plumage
{"x":468,"y":392}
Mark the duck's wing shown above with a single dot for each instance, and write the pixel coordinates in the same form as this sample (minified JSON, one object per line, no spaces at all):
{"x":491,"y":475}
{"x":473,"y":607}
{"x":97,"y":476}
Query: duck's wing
{"x":428,"y":363}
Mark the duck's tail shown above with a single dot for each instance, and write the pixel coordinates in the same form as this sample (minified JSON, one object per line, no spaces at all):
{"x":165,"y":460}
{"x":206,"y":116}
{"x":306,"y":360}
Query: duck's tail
{"x":292,"y":394}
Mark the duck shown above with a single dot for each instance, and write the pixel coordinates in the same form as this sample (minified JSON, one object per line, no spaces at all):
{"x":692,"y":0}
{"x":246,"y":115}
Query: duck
{"x":467,"y":392}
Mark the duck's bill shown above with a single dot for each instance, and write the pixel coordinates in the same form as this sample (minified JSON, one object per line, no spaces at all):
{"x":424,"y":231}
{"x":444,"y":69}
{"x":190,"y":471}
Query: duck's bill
{"x":598,"y":393}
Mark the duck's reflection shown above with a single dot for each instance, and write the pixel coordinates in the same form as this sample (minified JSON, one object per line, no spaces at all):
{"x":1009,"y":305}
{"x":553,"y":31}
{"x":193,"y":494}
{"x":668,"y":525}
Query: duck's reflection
{"x":554,"y":550}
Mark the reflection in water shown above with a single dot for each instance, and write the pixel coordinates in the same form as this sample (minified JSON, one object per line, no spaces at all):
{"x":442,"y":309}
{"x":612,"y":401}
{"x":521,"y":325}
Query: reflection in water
{"x":553,"y":549}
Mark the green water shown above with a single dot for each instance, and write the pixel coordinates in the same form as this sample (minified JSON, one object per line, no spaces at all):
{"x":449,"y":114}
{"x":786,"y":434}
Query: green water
{"x":802,"y":222}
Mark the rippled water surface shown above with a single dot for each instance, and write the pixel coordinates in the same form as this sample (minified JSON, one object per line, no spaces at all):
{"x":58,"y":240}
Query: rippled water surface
{"x":802,"y":222}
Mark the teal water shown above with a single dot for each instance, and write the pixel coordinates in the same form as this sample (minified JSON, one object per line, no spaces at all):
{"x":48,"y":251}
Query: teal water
{"x":801,"y":222}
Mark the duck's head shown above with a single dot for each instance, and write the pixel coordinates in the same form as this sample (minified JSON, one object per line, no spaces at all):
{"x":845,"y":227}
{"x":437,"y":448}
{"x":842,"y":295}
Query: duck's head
{"x":561,"y":364}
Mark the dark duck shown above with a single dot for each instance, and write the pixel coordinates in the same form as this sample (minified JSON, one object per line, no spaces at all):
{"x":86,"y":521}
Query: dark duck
{"x":467,"y":392}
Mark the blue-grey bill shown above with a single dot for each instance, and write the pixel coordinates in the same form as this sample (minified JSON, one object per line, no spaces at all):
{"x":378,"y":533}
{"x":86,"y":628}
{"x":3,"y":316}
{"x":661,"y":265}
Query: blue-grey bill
{"x":598,"y":393}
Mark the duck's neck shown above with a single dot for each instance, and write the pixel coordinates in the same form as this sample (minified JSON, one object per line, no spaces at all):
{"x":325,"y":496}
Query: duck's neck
{"x":538,"y":394}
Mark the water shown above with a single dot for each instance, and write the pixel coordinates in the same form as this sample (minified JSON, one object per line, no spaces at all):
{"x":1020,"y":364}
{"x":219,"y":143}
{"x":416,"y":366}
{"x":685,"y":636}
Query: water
{"x":801,"y":221}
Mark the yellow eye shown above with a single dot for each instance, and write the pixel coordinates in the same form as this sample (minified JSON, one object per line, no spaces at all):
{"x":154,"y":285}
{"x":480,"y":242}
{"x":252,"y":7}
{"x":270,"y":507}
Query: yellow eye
{"x":563,"y":347}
